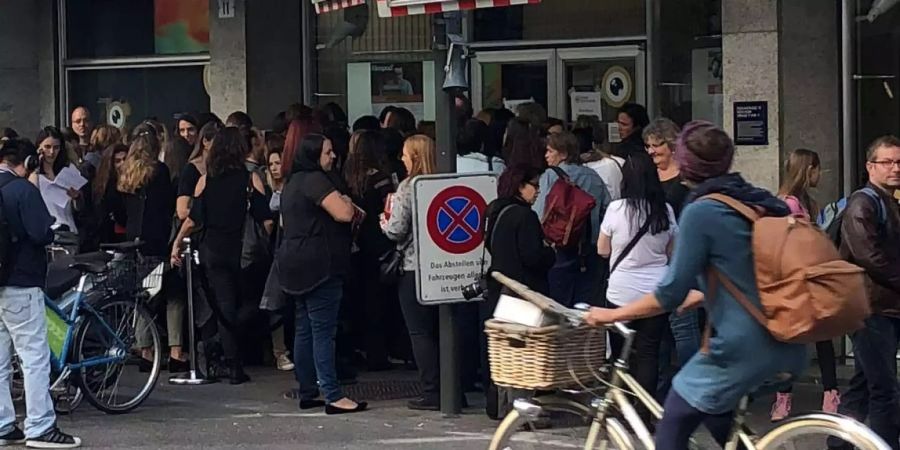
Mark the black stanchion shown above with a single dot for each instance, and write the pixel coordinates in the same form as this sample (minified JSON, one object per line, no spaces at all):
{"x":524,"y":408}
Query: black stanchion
{"x":192,"y":378}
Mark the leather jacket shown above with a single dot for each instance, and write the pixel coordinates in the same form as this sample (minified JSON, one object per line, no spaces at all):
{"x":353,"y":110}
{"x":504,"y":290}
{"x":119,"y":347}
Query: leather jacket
{"x":875,"y":247}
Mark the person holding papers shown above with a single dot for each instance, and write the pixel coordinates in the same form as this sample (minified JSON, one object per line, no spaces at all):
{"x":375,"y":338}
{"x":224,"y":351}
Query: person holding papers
{"x":58,"y":180}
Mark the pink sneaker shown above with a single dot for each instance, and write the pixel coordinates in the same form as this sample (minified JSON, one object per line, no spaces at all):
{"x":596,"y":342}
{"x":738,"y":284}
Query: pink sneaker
{"x":831,"y":400}
{"x":782,"y":407}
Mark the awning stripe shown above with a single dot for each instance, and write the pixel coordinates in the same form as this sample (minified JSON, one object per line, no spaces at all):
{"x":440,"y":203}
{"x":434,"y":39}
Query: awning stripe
{"x":439,"y":6}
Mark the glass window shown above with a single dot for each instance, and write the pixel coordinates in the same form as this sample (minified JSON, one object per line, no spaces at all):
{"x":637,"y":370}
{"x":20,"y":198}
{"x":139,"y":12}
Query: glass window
{"x":156,"y":92}
{"x":513,"y":82}
{"x":690,"y":81}
{"x":116,"y":28}
{"x":554,"y":19}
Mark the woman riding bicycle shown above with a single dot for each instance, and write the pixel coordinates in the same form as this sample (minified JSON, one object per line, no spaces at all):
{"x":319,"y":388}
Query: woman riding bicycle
{"x":741,"y":354}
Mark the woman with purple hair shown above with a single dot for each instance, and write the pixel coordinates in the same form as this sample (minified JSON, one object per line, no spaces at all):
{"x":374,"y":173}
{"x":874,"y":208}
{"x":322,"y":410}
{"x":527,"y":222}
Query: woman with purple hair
{"x":712,"y":235}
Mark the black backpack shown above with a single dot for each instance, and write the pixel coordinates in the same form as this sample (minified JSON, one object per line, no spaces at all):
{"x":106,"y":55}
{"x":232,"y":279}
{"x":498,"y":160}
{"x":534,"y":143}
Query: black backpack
{"x":6,"y":239}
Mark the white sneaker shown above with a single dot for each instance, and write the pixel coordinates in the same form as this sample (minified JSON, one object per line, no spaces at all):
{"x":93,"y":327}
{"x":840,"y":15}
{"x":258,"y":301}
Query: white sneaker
{"x":283,"y":363}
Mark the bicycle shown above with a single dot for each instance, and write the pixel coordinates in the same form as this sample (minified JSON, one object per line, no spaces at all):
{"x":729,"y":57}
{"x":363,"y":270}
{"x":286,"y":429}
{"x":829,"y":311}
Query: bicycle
{"x":598,"y":419}
{"x":94,"y":328}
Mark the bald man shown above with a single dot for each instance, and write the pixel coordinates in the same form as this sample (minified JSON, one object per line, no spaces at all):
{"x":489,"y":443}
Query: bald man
{"x":81,"y":125}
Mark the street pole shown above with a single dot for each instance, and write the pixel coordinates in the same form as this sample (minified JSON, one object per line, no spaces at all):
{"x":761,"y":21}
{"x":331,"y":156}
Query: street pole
{"x":445,"y":126}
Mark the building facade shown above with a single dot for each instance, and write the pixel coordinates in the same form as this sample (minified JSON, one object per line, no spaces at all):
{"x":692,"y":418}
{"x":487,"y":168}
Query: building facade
{"x":777,"y":74}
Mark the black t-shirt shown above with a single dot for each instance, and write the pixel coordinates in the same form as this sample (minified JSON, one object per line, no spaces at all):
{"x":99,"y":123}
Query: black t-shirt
{"x":314,"y":246}
{"x":372,"y":241}
{"x":150,"y":211}
{"x":187,"y":182}
{"x":676,"y":194}
{"x":222,"y":211}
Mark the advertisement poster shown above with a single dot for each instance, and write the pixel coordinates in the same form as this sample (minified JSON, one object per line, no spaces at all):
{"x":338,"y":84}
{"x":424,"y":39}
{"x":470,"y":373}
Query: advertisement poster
{"x":181,"y":26}
{"x":398,"y":84}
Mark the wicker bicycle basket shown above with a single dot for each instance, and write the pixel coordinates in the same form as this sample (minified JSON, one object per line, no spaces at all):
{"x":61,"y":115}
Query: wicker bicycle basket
{"x":544,"y":358}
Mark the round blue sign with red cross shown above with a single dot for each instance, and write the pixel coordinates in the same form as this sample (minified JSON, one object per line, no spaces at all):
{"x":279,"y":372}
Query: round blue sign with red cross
{"x":455,"y":219}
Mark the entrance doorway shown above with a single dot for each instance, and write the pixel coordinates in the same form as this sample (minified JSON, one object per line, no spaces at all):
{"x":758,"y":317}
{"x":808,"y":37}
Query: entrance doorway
{"x":553,"y":77}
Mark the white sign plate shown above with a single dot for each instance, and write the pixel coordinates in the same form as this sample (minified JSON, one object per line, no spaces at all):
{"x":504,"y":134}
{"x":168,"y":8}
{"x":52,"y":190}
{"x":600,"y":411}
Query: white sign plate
{"x":448,"y":221}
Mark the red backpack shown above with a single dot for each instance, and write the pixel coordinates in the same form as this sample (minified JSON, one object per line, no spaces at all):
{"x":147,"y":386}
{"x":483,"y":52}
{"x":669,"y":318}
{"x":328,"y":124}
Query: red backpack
{"x":566,"y":211}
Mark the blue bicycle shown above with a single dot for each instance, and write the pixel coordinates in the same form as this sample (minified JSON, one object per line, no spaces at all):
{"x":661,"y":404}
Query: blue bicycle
{"x":104,"y":342}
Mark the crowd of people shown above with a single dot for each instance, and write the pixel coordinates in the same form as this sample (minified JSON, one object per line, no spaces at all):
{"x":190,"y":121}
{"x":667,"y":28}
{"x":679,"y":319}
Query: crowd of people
{"x":293,"y":224}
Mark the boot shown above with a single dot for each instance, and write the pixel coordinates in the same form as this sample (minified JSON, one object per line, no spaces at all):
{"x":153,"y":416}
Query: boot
{"x":236,"y":373}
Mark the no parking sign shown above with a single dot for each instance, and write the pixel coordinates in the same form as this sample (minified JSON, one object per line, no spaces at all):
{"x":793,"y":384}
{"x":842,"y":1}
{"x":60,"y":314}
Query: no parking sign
{"x":448,"y":221}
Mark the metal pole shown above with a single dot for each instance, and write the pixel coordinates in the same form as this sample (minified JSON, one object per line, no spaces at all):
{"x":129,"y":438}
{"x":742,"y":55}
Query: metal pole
{"x":848,"y":155}
{"x":445,"y":127}
{"x":652,"y":19}
{"x":193,"y":379}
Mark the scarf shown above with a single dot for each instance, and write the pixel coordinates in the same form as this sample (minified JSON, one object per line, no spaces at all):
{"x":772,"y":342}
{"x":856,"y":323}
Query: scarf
{"x":734,"y":186}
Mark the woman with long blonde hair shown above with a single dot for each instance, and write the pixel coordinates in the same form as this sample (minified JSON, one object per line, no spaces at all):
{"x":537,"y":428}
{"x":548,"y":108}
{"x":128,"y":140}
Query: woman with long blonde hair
{"x":149,"y":199}
{"x":802,"y":171}
{"x":397,"y":224}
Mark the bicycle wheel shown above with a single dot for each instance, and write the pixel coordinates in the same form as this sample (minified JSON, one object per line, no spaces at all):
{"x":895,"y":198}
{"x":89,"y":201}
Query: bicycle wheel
{"x":66,"y":396}
{"x":562,"y":423}
{"x":812,"y":431}
{"x":121,"y":385}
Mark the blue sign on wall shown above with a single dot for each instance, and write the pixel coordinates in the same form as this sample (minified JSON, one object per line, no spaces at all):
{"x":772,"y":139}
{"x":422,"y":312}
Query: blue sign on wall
{"x":751,"y":123}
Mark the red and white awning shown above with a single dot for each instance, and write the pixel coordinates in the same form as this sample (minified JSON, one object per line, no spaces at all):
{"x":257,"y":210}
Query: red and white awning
{"x":396,"y":8}
{"x":326,"y":6}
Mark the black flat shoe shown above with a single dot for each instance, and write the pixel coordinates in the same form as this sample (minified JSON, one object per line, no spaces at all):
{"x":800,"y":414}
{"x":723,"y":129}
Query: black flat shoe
{"x":332,"y":410}
{"x":311,"y":404}
{"x":178,"y":366}
{"x":424,"y":404}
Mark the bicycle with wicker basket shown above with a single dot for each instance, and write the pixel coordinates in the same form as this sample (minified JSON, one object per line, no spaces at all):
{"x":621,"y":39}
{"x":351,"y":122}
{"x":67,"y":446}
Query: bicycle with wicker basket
{"x":591,"y":399}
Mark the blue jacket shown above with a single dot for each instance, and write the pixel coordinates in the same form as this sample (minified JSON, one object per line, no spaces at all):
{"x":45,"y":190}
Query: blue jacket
{"x":586,"y":179}
{"x":29,"y":224}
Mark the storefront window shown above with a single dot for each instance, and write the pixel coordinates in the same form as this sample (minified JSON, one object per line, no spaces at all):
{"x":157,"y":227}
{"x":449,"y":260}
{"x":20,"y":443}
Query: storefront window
{"x":553,"y":19}
{"x":116,"y":28}
{"x":689,"y":86}
{"x":877,"y":47}
{"x":140,"y":93}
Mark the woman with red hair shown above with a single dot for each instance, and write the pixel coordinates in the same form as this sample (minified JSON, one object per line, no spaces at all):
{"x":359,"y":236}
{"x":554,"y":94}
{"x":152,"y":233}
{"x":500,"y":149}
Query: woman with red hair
{"x":297,"y":130}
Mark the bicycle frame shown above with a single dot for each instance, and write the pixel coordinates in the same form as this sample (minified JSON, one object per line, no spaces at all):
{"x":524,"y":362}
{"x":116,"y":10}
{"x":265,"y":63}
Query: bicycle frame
{"x":622,"y":383}
{"x":73,"y":318}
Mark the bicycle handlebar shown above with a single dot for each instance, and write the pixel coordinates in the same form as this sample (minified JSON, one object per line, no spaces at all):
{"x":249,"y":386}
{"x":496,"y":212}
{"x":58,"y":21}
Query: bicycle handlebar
{"x":575,"y":316}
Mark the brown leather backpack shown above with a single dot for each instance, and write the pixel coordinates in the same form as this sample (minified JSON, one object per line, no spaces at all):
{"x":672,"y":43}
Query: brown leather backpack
{"x":808,"y":293}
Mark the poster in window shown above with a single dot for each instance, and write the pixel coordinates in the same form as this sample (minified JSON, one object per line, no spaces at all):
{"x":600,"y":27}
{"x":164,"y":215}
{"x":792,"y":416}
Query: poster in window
{"x":398,"y":84}
{"x":181,"y":26}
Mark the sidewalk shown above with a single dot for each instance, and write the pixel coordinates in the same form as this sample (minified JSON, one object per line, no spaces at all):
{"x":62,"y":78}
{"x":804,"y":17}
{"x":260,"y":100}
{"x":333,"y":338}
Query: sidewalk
{"x":256,"y":416}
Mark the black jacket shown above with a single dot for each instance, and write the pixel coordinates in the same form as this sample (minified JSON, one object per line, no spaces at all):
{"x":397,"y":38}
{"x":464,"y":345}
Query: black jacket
{"x":875,"y":247}
{"x":517,"y":247}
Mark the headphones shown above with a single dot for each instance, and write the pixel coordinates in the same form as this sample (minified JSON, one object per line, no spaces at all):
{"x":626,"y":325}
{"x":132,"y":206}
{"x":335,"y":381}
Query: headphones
{"x":32,"y":162}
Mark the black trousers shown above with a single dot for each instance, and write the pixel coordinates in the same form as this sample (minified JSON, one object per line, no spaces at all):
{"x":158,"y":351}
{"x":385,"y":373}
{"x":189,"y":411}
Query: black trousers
{"x":422,"y":323}
{"x":223,"y":288}
{"x":644,"y":359}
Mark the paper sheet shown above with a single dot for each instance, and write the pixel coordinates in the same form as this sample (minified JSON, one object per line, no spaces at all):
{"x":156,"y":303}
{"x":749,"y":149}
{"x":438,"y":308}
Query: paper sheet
{"x":56,"y":195}
{"x":69,"y":178}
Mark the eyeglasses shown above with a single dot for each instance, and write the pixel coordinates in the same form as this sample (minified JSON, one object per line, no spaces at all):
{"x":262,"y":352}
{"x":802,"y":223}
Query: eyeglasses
{"x":887,"y":163}
{"x":534,"y":184}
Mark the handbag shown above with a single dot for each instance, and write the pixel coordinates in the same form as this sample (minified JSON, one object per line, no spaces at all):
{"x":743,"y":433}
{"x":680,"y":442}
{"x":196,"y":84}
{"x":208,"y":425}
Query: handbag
{"x":256,"y":243}
{"x":390,"y":264}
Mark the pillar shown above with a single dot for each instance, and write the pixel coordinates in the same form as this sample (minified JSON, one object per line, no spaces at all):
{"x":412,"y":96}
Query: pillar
{"x":769,"y":56}
{"x":255,"y":58}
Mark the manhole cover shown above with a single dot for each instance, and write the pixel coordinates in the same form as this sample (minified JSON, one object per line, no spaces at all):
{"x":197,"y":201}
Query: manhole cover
{"x":383,"y":390}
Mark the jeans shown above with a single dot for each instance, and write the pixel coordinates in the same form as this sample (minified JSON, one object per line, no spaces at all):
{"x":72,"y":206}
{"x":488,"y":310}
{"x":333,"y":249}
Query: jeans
{"x":875,"y":350}
{"x":223,"y":288}
{"x":680,"y":420}
{"x":683,"y":337}
{"x":422,"y":323}
{"x":316,"y":326}
{"x":23,"y":326}
{"x":576,"y":279}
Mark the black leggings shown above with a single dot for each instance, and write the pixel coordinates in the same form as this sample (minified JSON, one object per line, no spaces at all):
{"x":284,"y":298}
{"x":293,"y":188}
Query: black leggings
{"x":223,"y":287}
{"x":827,"y":364}
{"x":680,"y":420}
{"x":644,"y":360}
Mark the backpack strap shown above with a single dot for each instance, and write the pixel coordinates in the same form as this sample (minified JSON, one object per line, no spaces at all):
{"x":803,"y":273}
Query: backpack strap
{"x":736,"y":205}
{"x":879,"y":204}
{"x":561,"y":174}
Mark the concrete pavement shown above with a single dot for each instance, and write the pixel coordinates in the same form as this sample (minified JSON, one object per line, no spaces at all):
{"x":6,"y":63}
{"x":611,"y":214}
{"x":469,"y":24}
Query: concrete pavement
{"x":255,"y":415}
